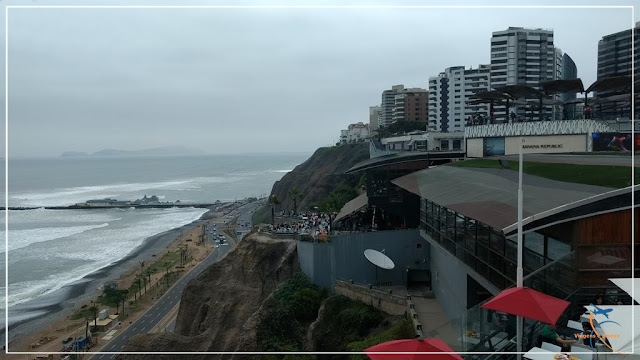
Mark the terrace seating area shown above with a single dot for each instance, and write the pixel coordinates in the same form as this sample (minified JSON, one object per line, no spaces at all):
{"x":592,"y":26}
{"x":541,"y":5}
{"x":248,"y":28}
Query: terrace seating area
{"x":523,"y":103}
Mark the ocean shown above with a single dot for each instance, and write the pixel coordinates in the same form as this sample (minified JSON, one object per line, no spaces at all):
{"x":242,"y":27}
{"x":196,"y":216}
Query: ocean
{"x":51,"y":249}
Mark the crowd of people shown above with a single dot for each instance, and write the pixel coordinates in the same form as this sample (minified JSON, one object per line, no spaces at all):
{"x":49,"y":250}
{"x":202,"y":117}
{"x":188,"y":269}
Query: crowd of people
{"x":312,"y":224}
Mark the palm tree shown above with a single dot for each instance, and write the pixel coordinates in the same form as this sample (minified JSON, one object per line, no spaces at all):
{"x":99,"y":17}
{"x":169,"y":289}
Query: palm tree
{"x":94,"y":310}
{"x":273,"y":200}
{"x":295,"y":194}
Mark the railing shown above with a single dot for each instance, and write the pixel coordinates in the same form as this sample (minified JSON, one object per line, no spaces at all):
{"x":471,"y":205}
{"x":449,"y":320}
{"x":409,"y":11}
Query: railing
{"x":483,"y":330}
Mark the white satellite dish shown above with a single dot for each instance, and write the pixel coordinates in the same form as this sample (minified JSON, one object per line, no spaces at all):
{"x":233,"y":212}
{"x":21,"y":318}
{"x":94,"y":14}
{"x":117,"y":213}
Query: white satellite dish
{"x":379,"y":259}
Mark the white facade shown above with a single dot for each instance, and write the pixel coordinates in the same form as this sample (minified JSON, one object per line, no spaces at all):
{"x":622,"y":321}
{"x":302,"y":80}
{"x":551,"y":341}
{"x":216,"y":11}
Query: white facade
{"x":449,"y":95}
{"x":523,"y":56}
{"x":388,"y":105}
{"x":354,"y":133}
{"x":425,"y":141}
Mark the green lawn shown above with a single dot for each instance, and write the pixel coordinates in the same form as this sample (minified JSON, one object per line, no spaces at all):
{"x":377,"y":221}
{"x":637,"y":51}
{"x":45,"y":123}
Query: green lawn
{"x":609,"y":176}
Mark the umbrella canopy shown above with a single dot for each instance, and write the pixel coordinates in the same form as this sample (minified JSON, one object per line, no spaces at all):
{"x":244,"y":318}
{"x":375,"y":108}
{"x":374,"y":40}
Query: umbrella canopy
{"x":489,"y":96}
{"x":528,"y":303}
{"x":562,"y":86}
{"x":412,"y":345}
{"x":545,"y":102}
{"x":519,"y":91}
{"x":615,"y":83}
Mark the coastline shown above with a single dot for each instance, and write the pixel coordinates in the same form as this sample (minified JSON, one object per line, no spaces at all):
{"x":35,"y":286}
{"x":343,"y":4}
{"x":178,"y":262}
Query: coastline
{"x":58,"y":305}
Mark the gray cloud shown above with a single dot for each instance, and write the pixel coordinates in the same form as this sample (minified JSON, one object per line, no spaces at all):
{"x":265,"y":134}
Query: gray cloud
{"x":243,"y":80}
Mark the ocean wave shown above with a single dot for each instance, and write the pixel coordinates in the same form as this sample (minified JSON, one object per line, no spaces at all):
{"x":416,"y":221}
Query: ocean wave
{"x":92,"y":250}
{"x":18,"y":239}
{"x":68,"y":196}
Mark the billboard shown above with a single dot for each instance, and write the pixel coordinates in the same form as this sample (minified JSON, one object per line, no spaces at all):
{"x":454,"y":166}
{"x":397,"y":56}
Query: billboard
{"x":493,"y":146}
{"x":615,"y":142}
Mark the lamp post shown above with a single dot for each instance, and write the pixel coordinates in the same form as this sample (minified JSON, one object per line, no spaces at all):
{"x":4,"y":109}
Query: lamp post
{"x":519,"y":272}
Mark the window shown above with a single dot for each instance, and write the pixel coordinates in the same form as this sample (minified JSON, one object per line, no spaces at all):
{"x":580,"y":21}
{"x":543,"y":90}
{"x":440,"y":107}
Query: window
{"x":444,"y":144}
{"x":456,"y":144}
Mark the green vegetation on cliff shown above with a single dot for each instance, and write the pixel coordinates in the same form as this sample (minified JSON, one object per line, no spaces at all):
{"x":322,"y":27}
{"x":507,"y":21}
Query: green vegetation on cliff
{"x":288,"y":313}
{"x":315,"y":179}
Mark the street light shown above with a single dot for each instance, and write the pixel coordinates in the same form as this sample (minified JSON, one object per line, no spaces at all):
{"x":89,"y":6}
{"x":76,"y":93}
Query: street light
{"x":519,"y":280}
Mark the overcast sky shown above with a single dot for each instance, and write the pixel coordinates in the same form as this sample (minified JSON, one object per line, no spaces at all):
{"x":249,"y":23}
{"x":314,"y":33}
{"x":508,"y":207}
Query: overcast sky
{"x":244,"y":80}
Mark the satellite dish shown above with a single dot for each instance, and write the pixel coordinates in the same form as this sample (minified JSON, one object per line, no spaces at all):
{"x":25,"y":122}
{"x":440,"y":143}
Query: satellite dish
{"x":379,"y":259}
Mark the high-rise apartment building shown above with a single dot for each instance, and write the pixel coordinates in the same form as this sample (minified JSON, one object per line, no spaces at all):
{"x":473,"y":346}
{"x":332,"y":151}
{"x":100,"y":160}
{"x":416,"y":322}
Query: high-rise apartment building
{"x":569,"y":71}
{"x":614,"y":59}
{"x":523,"y":56}
{"x":614,"y":53}
{"x":449,"y":97}
{"x":374,"y":113}
{"x":400,"y":104}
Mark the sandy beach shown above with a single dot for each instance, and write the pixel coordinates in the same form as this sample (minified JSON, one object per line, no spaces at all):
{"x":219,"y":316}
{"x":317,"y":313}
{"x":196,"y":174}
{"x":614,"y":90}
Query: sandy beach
{"x":58,"y":306}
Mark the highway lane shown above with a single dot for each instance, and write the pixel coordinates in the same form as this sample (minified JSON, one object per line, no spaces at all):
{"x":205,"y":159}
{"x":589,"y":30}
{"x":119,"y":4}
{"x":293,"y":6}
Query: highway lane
{"x":164,"y":305}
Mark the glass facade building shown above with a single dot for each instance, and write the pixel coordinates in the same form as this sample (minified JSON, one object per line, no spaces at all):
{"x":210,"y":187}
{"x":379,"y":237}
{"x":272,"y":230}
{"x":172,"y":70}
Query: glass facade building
{"x":488,"y":252}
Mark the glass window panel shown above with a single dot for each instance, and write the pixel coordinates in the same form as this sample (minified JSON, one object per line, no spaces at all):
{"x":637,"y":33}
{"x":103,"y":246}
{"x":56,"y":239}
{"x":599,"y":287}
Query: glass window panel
{"x":482,"y":269}
{"x":531,"y":260}
{"x":557,"y":248}
{"x":460,"y":252}
{"x":511,"y":250}
{"x":496,"y":261}
{"x":460,"y":229}
{"x":534,"y":242}
{"x":482,"y":253}
{"x":511,"y":268}
{"x":497,"y":242}
{"x":483,"y":234}
{"x":470,"y":259}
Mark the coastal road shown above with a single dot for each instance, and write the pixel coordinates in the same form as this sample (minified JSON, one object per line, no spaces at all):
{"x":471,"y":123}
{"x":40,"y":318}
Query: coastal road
{"x":171,"y":298}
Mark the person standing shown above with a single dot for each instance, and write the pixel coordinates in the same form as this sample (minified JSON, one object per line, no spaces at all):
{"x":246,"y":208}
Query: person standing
{"x":587,"y":112}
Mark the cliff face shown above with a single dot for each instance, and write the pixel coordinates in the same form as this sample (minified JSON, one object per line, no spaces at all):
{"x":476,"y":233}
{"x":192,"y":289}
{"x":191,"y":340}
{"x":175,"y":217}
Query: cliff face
{"x":219,"y":309}
{"x":322,"y":173}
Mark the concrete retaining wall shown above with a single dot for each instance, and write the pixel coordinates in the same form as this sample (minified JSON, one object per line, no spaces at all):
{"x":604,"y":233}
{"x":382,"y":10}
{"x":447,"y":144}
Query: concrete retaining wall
{"x":389,"y":303}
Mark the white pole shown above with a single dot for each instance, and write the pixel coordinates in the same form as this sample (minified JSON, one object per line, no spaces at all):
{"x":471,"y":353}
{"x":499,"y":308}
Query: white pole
{"x":519,"y":269}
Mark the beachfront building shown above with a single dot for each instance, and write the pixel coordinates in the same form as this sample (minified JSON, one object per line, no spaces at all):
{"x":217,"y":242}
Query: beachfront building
{"x":449,"y":97}
{"x":576,"y":236}
{"x":403,"y":104}
{"x":523,"y":56}
{"x":544,"y":137}
{"x":424,"y":141}
{"x":357,"y":132}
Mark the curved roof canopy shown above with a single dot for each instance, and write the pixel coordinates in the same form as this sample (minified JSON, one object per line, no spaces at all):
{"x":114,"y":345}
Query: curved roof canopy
{"x":562,"y":86}
{"x":615,"y":83}
{"x":519,"y":91}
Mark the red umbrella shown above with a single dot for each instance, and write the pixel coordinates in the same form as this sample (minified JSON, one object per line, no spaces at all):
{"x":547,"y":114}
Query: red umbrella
{"x":412,"y":345}
{"x":528,"y":303}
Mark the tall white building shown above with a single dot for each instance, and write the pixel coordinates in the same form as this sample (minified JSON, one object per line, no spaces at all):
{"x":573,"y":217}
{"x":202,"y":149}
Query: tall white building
{"x":449,"y":97}
{"x":388,"y":105}
{"x":523,"y":56}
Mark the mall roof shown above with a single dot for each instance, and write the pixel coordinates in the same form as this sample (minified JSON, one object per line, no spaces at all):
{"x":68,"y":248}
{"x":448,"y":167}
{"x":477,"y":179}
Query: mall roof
{"x":405,"y":156}
{"x":353,"y":206}
{"x":491,"y":195}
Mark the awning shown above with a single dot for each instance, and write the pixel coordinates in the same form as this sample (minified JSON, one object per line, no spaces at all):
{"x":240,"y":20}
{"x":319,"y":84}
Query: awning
{"x":562,"y":86}
{"x":616,"y":83}
{"x":352,"y":206}
{"x":436,"y":349}
{"x":519,"y":91}
{"x":528,"y":303}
